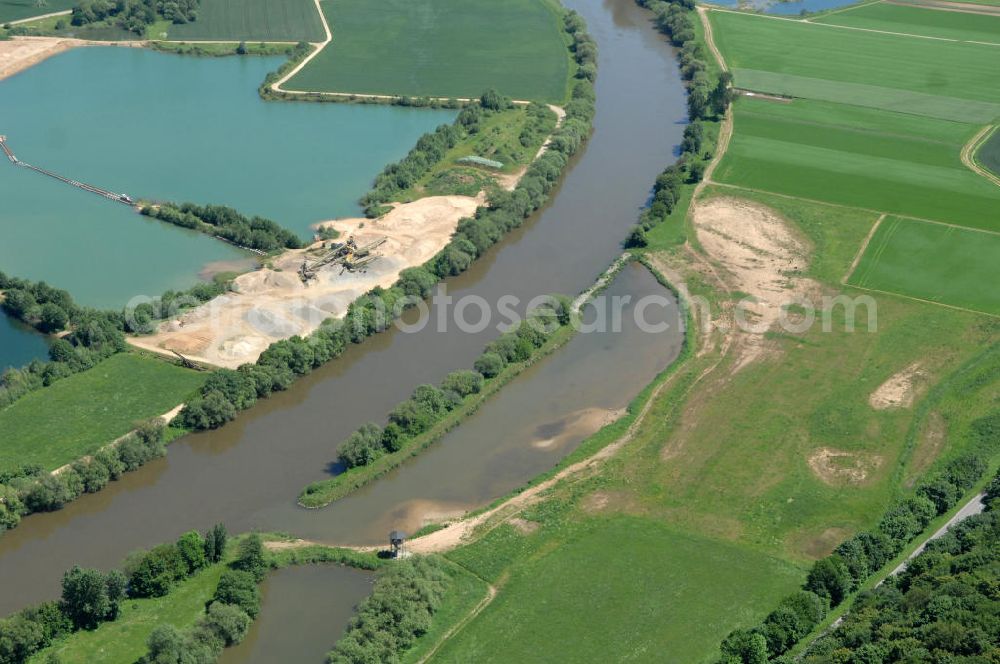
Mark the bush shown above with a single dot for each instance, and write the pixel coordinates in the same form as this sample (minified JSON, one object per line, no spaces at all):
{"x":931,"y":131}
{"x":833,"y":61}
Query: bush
{"x":239,"y":588}
{"x":251,"y":557}
{"x":153,"y":573}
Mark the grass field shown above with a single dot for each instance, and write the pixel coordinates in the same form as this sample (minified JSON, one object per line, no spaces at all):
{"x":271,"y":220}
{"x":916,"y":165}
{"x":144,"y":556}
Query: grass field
{"x":443,"y":48}
{"x":943,"y":79}
{"x":253,"y":20}
{"x":77,"y":415}
{"x":989,"y":153}
{"x":956,"y":266}
{"x":859,"y":157}
{"x":15,"y":10}
{"x":915,"y":20}
{"x":124,"y":640}
{"x":622,"y":589}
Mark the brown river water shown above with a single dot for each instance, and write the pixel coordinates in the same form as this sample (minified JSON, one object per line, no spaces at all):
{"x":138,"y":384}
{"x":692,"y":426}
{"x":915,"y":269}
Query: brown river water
{"x":248,"y":473}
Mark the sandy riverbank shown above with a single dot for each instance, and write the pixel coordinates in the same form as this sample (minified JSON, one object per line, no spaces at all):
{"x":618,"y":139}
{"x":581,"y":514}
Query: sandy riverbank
{"x":273,"y":303}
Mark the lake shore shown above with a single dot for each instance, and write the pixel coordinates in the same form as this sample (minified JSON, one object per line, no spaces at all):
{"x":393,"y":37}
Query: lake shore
{"x":20,"y":53}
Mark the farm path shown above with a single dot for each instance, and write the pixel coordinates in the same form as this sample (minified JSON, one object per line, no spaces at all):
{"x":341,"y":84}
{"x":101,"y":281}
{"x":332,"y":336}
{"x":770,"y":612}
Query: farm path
{"x":969,"y":153}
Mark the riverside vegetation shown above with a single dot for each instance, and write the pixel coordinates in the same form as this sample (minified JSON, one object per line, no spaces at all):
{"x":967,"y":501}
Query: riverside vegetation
{"x":432,"y":411}
{"x":255,"y":233}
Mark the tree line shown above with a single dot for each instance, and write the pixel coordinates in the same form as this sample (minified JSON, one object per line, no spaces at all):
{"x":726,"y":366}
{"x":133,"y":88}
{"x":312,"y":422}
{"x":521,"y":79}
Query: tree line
{"x":706,"y":100}
{"x":832,"y":579}
{"x":254,"y":232}
{"x":134,"y":15}
{"x":399,"y":611}
{"x":942,"y":608}
{"x":229,"y":391}
{"x":91,"y":598}
{"x":30,"y":488}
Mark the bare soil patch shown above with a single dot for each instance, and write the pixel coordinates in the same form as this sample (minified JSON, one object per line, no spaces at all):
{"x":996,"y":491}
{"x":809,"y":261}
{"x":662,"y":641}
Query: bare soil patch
{"x":816,"y":546}
{"x":523,"y":526}
{"x":19,"y":53}
{"x":763,"y":257}
{"x":840,"y":468}
{"x":899,"y":390}
{"x":273,"y":303}
{"x":929,"y":446}
{"x":577,"y":425}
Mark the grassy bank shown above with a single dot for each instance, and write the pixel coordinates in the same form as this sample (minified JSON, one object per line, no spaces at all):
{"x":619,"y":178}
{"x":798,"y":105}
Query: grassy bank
{"x":320,"y":494}
{"x":220,"y":49}
{"x":79,"y":414}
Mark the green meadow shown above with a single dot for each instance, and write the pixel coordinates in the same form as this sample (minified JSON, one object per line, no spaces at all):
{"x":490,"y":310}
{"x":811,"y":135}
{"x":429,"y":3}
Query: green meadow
{"x":622,"y":589}
{"x":15,"y":10}
{"x":945,"y":264}
{"x":442,"y":48}
{"x":78,"y":415}
{"x":859,"y":157}
{"x":253,"y":20}
{"x":918,"y":21}
{"x":944,"y":79}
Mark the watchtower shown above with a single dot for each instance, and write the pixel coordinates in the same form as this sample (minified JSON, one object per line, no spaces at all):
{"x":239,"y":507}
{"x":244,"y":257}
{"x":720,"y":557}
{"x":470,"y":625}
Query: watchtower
{"x":397,"y":540}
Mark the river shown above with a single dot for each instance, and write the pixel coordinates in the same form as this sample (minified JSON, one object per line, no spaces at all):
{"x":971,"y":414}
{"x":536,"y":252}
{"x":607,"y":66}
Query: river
{"x":251,"y":470}
{"x":192,"y":129}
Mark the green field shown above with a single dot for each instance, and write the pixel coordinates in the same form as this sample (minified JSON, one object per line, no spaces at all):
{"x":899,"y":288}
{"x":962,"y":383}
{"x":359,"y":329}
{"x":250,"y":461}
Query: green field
{"x":951,"y":80}
{"x":859,"y":157}
{"x":989,"y":153}
{"x":124,"y":640}
{"x":915,"y":20}
{"x":15,"y":10}
{"x":956,"y":266}
{"x":442,"y":48}
{"x":253,"y":20}
{"x":623,"y":589}
{"x":77,"y":415}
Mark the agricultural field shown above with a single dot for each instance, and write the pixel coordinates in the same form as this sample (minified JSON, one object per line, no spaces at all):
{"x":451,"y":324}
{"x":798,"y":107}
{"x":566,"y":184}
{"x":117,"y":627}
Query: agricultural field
{"x":124,"y":640}
{"x":441,"y":48}
{"x":919,"y":21}
{"x":989,"y":153}
{"x":78,"y":415}
{"x":859,"y":157}
{"x":252,"y":20}
{"x":949,"y":80}
{"x":15,"y":10}
{"x":622,"y":588}
{"x":957,"y":266}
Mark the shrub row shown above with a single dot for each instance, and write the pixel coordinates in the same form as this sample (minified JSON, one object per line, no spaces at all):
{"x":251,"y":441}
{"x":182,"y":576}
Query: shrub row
{"x":221,"y":221}
{"x":91,"y":597}
{"x":429,"y":404}
{"x":942,"y":608}
{"x":399,"y":610}
{"x":833,"y":578}
{"x":227,"y":391}
{"x":32,"y":489}
{"x":706,"y":100}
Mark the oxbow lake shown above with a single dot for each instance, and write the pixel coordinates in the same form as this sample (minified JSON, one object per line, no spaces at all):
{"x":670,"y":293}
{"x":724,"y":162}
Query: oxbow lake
{"x":177,"y":128}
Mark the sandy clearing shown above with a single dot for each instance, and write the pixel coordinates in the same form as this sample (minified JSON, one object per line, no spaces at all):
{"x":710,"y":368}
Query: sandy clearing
{"x":19,"y":53}
{"x":840,"y":468}
{"x":273,"y":303}
{"x":758,"y":248}
{"x":898,"y":391}
{"x":579,"y":425}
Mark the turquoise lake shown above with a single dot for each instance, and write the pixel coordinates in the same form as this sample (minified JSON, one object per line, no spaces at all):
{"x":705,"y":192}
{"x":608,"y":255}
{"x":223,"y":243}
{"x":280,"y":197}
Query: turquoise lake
{"x":177,"y":128}
{"x":19,"y":344}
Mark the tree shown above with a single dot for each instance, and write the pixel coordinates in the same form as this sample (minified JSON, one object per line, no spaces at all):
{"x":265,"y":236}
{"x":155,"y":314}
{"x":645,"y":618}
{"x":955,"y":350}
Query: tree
{"x":226,"y":622}
{"x":722,"y":94}
{"x":493,"y":100}
{"x":830,"y":578}
{"x":239,"y":588}
{"x":85,"y":597}
{"x":489,"y":364}
{"x":636,"y":238}
{"x":191,"y":546}
{"x":215,"y":543}
{"x":251,"y":557}
{"x":153,"y":573}
{"x":52,"y":318}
